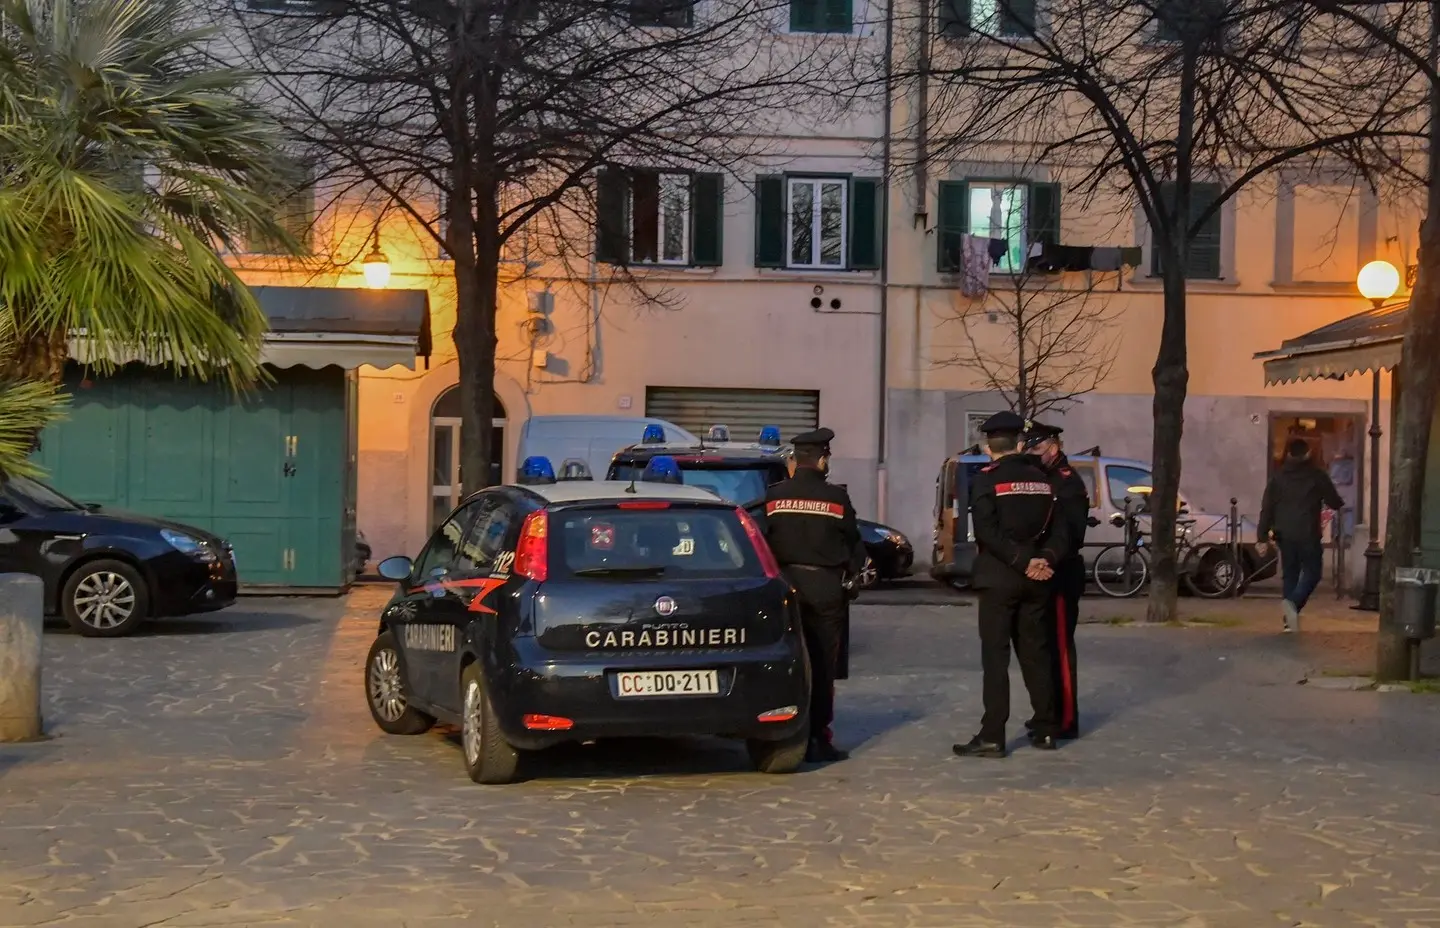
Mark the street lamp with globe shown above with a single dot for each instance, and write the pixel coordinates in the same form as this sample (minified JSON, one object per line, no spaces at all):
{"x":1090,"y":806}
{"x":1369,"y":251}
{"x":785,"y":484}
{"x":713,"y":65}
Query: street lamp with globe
{"x":1377,"y":282}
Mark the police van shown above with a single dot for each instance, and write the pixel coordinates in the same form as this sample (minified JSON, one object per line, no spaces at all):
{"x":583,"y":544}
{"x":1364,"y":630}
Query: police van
{"x":1110,"y":482}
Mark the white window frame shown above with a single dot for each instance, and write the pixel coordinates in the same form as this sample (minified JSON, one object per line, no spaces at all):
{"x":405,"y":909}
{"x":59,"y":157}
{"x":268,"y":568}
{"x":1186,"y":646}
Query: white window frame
{"x":1023,"y":233}
{"x":687,"y":180}
{"x":989,"y":22}
{"x":817,"y":184}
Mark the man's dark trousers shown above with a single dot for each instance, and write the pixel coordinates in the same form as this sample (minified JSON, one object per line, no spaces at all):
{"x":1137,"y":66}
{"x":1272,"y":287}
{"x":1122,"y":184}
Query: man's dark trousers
{"x":823,"y":608}
{"x":1301,"y":563}
{"x":1021,"y":610}
{"x":1068,"y":585}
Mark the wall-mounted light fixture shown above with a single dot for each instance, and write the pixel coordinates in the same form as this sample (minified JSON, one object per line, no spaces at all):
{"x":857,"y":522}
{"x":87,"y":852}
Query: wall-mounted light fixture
{"x":376,"y":266}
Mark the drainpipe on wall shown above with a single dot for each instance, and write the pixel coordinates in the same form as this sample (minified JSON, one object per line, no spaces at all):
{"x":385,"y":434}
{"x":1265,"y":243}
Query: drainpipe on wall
{"x":881,"y":471}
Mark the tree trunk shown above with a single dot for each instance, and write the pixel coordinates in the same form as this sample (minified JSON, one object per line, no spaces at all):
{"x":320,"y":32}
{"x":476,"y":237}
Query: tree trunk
{"x":477,"y":273}
{"x":1413,"y":394}
{"x":39,"y":356}
{"x":1171,"y":376}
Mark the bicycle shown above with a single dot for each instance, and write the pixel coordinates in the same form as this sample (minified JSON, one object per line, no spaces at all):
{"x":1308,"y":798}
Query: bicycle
{"x":1121,"y":570}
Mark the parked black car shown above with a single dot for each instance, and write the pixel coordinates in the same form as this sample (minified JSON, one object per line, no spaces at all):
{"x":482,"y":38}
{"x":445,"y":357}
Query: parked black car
{"x":107,"y":572}
{"x":578,"y":610}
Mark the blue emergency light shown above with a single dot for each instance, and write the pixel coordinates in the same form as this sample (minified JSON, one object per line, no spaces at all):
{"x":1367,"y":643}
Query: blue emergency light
{"x":770,"y":436}
{"x":718,"y":433}
{"x":654,"y":435}
{"x":575,"y":469}
{"x":662,"y":469}
{"x":536,"y":469}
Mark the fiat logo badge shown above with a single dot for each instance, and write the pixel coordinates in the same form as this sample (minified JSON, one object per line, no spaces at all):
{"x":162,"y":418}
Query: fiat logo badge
{"x":665,"y":606}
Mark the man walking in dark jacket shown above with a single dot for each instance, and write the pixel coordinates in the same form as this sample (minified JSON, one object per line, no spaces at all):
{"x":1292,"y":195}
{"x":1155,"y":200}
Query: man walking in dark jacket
{"x":1290,"y":515}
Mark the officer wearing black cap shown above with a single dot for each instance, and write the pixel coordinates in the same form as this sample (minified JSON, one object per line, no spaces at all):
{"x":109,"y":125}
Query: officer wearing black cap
{"x":1043,"y":441}
{"x":810,"y":525}
{"x":1020,"y":540}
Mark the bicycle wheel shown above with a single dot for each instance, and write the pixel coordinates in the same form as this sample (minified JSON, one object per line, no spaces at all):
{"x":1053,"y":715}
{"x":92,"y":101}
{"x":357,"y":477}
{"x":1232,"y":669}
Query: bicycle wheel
{"x":1213,"y":571}
{"x":1121,"y":572}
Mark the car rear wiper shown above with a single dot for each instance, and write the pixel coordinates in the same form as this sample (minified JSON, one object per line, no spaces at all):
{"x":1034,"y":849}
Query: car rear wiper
{"x":620,"y":571}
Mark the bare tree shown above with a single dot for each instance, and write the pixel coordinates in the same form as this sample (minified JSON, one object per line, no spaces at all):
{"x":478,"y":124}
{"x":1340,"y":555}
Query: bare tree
{"x":486,"y":120}
{"x":1039,"y":340}
{"x":1140,"y":102}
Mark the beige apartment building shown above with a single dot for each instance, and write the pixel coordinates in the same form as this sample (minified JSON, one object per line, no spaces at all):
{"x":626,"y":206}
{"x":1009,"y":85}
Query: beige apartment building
{"x":810,"y":290}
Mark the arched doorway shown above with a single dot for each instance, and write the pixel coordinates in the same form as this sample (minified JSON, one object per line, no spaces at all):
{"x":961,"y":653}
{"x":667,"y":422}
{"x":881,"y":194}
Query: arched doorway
{"x":447,"y":484}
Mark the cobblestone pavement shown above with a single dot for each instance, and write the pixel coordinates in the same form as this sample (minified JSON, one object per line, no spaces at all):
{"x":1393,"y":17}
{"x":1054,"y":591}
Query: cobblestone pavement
{"x":223,"y":771}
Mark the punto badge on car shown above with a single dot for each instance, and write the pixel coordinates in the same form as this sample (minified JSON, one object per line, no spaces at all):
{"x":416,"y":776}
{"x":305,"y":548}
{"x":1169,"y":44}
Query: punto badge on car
{"x":665,"y":606}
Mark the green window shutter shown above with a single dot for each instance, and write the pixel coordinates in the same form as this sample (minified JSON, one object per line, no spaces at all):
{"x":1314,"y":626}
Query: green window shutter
{"x":1167,"y":198}
{"x":1204,"y":259}
{"x":805,"y":15}
{"x":954,"y":18}
{"x":1017,"y":17}
{"x":707,"y":220}
{"x":770,"y":220}
{"x":838,"y":16}
{"x":951,"y":222}
{"x":612,"y":240}
{"x":1043,"y":214}
{"x":867,"y":222}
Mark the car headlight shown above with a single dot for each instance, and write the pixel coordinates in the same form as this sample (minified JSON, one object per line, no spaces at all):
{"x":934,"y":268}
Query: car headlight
{"x":185,"y":544}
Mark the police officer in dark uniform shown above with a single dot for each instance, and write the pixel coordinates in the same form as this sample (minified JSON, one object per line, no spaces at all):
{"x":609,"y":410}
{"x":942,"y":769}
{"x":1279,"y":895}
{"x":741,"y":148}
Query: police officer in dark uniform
{"x":811,"y":527}
{"x":1043,"y":441}
{"x":1020,"y":540}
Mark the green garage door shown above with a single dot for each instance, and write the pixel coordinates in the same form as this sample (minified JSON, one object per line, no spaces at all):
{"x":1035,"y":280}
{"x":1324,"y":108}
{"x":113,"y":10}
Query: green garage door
{"x":265,"y":470}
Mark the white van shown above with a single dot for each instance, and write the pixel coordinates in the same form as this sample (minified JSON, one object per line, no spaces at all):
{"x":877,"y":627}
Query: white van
{"x":592,"y":439}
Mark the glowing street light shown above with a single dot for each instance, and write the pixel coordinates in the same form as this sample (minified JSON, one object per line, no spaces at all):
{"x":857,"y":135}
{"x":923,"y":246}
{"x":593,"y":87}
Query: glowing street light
{"x":377,"y":267}
{"x":1378,"y":281}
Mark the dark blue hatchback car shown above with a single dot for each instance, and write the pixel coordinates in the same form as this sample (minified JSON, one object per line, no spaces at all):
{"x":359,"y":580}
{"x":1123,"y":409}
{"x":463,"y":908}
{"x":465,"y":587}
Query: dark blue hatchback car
{"x":580,"y":610}
{"x":107,"y":572}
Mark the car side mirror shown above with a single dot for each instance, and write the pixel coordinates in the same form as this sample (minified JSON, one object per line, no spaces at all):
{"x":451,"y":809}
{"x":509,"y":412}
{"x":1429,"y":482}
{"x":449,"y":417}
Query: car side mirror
{"x":397,"y":568}
{"x":1092,"y":521}
{"x":91,"y":507}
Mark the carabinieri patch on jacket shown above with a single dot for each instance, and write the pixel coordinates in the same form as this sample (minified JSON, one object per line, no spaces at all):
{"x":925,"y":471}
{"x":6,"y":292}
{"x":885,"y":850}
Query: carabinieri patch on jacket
{"x":805,"y":507}
{"x":1023,"y":488}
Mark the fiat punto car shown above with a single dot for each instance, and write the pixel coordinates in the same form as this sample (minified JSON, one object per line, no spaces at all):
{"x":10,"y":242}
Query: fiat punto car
{"x":580,"y":609}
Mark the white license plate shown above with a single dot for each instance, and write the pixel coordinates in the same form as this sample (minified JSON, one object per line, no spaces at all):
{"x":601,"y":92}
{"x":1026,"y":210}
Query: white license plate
{"x":668,"y":683}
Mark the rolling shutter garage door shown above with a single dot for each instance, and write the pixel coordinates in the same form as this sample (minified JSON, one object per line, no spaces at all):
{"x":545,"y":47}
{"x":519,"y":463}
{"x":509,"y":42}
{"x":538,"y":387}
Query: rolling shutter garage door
{"x":744,"y":411}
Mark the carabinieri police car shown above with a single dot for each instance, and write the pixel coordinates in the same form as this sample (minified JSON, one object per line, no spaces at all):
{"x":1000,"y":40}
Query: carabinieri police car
{"x":577,"y":609}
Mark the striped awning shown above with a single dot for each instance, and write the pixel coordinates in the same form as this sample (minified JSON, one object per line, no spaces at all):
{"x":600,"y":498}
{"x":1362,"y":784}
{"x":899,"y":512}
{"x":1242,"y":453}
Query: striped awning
{"x":1358,"y":344}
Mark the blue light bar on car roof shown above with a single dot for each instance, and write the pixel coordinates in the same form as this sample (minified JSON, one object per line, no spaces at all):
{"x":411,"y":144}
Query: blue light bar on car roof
{"x":662,"y":469}
{"x":536,"y":469}
{"x":770,"y":436}
{"x":654,"y":435}
{"x":718,"y":433}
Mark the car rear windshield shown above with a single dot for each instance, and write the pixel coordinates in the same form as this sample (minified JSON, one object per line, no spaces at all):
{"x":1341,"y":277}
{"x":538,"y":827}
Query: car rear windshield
{"x":743,"y":484}
{"x":647,"y":543}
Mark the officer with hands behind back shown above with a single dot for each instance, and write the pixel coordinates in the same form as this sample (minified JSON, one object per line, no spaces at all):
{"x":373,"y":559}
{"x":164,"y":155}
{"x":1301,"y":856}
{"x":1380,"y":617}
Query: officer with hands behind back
{"x":1073,"y":498}
{"x":1021,"y":538}
{"x":810,"y":526}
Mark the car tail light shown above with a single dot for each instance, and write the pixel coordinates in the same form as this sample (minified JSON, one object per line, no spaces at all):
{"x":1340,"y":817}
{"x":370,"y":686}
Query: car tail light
{"x":645,"y":504}
{"x":548,"y":723}
{"x":532,"y":555}
{"x":783,"y":714}
{"x":762,"y":548}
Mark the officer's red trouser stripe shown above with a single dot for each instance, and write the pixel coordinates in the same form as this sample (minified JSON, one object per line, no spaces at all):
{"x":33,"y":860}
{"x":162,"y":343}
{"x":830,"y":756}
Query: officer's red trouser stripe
{"x":1062,"y":647}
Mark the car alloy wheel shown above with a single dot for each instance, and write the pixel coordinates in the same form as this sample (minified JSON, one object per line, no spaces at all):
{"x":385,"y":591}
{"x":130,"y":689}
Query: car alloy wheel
{"x":473,"y":723}
{"x":386,"y":693}
{"x":104,"y":600}
{"x":387,"y":690}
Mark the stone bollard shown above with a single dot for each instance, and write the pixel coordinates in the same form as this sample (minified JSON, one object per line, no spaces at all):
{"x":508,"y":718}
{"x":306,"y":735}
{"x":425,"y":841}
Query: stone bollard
{"x":22,"y":617}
